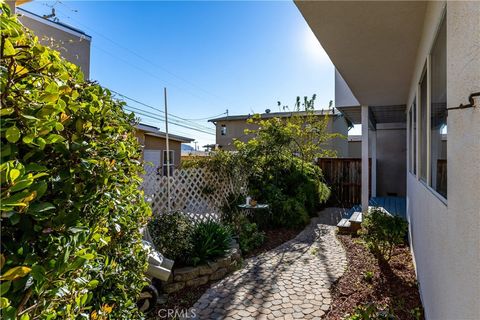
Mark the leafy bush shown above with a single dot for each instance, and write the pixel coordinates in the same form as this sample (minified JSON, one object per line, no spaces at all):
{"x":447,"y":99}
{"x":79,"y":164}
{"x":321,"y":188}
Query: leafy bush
{"x":210,"y":240}
{"x":71,"y":207}
{"x":172,"y":235}
{"x":382,"y":232}
{"x":249,"y":237}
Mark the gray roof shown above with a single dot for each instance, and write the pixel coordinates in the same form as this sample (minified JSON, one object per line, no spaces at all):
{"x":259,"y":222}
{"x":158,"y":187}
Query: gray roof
{"x":378,"y":114}
{"x":58,"y":24}
{"x":154,"y":131}
{"x":331,"y":112}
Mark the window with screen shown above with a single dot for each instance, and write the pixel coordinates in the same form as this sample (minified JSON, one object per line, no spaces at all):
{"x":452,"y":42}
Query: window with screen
{"x":438,"y":112}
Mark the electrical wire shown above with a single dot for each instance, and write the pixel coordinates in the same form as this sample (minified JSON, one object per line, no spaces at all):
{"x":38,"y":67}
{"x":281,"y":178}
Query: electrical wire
{"x":186,"y":121}
{"x":160,"y":118}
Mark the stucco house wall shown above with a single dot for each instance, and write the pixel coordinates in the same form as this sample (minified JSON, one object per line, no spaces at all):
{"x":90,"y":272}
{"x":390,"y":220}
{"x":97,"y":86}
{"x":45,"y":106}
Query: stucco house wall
{"x":73,"y":44}
{"x":354,"y":148}
{"x":391,"y":163}
{"x":444,"y":234}
{"x":153,"y":143}
{"x":235,"y":130}
{"x":391,"y":158}
{"x":343,"y":95}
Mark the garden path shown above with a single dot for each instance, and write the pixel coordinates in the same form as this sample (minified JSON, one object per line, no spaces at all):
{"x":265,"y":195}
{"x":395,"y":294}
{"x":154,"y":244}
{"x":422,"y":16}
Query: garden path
{"x":291,"y":281}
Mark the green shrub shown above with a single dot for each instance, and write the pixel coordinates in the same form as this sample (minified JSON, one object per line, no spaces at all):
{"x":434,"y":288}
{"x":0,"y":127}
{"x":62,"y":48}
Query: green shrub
{"x":71,"y":208}
{"x":382,"y":232}
{"x":249,"y":237}
{"x":210,"y":240}
{"x":289,"y":213}
{"x":172,"y":235}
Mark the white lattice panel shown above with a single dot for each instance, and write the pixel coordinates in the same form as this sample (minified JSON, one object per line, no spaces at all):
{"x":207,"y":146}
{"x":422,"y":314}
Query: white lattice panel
{"x":197,"y":192}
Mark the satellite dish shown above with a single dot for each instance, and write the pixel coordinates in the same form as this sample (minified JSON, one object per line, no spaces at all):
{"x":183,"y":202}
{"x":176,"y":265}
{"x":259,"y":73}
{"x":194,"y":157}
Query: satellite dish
{"x":267,"y":111}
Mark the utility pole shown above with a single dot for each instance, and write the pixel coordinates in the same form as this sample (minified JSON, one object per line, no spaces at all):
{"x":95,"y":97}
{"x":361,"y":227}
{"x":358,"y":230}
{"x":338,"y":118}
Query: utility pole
{"x":195,"y":142}
{"x":168,"y":151}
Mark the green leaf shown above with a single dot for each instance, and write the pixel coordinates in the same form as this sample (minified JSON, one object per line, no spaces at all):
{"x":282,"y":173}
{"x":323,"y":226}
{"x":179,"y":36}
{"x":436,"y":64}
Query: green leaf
{"x":28,"y":138}
{"x":4,"y":303}
{"x":13,"y":134}
{"x":40,"y":188}
{"x":8,"y":48}
{"x":34,"y":167}
{"x":20,"y":185}
{"x":92,"y":284}
{"x":15,"y":273}
{"x":41,"y":207}
{"x":14,"y":174}
{"x":41,"y":143}
{"x":25,"y":316}
{"x":49,"y":97}
{"x":52,"y":88}
{"x":87,"y":256}
{"x":38,"y":273}
{"x":6,"y":111}
{"x":59,"y":126}
{"x":54,"y":138}
{"x":4,"y":286}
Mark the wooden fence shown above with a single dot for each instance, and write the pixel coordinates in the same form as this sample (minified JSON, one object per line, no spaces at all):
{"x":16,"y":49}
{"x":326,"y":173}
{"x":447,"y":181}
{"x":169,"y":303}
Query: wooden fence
{"x":197,"y":192}
{"x":344,"y":177}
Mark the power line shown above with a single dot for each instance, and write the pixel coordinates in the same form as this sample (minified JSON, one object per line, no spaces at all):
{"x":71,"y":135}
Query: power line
{"x":159,"y":110}
{"x":144,"y":113}
{"x":141,"y":57}
{"x":208,"y":118}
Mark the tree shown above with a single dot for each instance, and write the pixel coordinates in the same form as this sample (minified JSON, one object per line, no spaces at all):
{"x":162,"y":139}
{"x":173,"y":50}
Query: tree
{"x":309,"y":131}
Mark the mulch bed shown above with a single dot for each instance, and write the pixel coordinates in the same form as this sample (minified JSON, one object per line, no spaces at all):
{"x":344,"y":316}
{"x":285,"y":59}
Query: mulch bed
{"x":180,"y":300}
{"x":274,"y":238}
{"x":392,"y":285}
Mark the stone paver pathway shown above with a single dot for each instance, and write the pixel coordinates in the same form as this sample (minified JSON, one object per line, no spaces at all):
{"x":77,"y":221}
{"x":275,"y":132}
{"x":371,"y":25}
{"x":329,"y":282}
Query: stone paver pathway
{"x":291,"y":281}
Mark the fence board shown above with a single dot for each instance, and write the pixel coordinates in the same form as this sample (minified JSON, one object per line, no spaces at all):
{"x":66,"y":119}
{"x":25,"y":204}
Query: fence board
{"x":344,"y":177}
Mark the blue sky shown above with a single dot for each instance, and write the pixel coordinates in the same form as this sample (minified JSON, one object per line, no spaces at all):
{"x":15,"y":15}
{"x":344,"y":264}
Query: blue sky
{"x":212,"y":56}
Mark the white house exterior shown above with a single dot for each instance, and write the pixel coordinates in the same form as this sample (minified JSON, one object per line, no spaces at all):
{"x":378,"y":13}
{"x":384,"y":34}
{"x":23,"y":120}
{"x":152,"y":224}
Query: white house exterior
{"x":408,"y":62}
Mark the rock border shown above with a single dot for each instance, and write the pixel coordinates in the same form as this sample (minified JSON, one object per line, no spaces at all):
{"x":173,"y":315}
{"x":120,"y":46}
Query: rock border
{"x":212,"y":271}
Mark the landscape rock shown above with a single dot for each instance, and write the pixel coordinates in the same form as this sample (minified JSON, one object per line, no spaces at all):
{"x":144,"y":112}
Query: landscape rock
{"x":197,"y":281}
{"x":186,"y":273}
{"x":173,"y":287}
{"x":219,"y":274}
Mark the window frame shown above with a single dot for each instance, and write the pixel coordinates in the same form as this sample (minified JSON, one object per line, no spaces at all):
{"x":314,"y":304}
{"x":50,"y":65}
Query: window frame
{"x":429,"y":158}
{"x":417,"y":156}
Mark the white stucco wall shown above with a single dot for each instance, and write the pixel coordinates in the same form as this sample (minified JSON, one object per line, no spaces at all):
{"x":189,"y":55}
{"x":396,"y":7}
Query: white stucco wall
{"x":343,"y":95}
{"x":446,"y":236}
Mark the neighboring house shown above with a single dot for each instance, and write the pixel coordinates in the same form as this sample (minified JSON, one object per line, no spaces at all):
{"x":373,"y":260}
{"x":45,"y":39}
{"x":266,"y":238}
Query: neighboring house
{"x":72,"y":43}
{"x":232,"y":128}
{"x":154,"y":144}
{"x":354,"y":146}
{"x":414,"y":68}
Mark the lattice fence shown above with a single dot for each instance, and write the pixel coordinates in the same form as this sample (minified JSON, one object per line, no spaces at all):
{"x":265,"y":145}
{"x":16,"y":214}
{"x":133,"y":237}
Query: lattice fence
{"x":197,"y":192}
